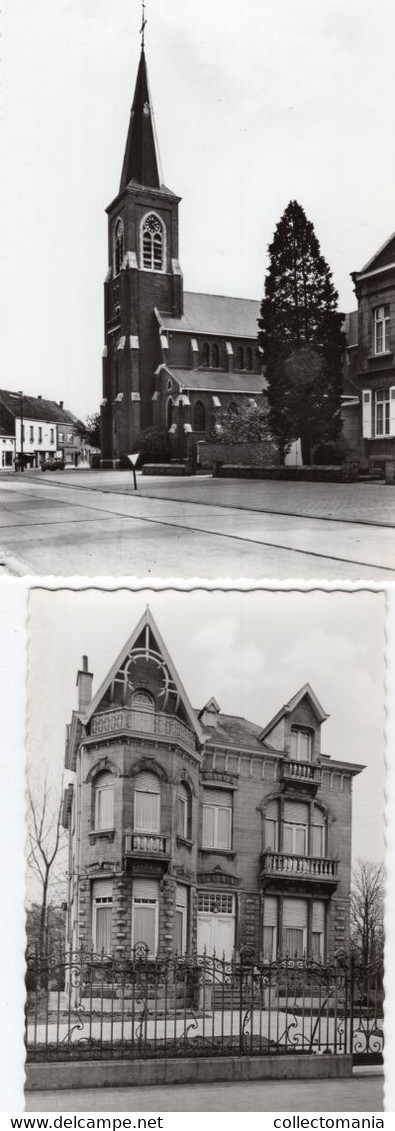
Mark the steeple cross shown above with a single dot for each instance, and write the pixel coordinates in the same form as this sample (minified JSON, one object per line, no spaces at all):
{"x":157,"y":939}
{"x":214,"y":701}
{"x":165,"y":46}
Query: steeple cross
{"x":143,"y":22}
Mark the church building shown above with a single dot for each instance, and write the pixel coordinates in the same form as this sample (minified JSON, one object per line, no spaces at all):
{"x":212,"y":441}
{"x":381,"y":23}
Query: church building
{"x":171,"y":358}
{"x":192,"y":829}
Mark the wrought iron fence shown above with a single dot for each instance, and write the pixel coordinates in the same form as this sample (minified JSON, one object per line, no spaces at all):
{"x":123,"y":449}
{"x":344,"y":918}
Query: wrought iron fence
{"x":83,"y":1005}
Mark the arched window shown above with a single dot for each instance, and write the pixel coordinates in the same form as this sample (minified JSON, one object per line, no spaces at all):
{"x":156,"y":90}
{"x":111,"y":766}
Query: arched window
{"x":199,"y":417}
{"x":169,"y":413}
{"x":239,"y":357}
{"x":147,"y":803}
{"x":118,"y":246}
{"x":153,"y":243}
{"x":104,"y":802}
{"x":183,"y":811}
{"x":215,"y":356}
{"x":143,"y":706}
{"x":249,"y":358}
{"x":205,"y":355}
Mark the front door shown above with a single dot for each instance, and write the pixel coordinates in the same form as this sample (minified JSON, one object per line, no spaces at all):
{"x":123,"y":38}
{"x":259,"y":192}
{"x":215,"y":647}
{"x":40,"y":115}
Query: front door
{"x":216,"y":924}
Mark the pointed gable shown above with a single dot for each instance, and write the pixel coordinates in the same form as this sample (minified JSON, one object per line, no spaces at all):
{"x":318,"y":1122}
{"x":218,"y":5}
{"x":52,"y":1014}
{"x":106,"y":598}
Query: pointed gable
{"x":141,"y":161}
{"x":144,"y":667}
{"x":273,"y":732}
{"x":384,"y":257}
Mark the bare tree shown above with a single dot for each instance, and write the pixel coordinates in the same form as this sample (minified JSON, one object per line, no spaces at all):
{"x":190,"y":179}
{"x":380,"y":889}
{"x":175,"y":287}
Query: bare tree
{"x":367,"y":911}
{"x":44,"y":842}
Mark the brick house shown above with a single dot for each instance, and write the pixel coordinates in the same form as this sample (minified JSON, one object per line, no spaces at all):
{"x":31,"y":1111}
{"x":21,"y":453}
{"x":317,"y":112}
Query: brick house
{"x":371,"y":345}
{"x":171,"y":358}
{"x":193,"y":829}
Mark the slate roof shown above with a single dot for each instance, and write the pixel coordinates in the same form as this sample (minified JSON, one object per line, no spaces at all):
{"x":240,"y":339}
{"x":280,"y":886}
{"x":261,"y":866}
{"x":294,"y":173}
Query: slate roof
{"x":36,"y":408}
{"x":216,"y":314}
{"x":235,"y":731}
{"x":6,"y":432}
{"x":141,"y":160}
{"x":381,"y":258}
{"x":217,"y":381}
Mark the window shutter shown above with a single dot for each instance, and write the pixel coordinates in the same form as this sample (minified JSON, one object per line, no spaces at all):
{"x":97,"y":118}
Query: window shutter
{"x":271,"y":811}
{"x":145,"y":889}
{"x":208,"y":826}
{"x":366,"y":414}
{"x":270,"y":911}
{"x":296,"y":812}
{"x":295,"y":913}
{"x":101,"y":889}
{"x":181,"y":897}
{"x":392,"y":410}
{"x":224,"y":826}
{"x":222,"y":797}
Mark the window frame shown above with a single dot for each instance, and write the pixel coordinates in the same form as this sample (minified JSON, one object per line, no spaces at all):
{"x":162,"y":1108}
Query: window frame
{"x":151,"y":904}
{"x":138,"y":825}
{"x":381,"y":329}
{"x":216,"y":809}
{"x":152,"y":266}
{"x":385,"y":405}
{"x":295,"y":827}
{"x":99,"y":790}
{"x":100,"y":902}
{"x":297,"y":733}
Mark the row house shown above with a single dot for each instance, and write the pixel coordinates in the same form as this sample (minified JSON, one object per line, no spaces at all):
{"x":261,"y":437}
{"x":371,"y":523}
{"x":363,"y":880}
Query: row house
{"x":41,"y":428}
{"x":193,"y":830}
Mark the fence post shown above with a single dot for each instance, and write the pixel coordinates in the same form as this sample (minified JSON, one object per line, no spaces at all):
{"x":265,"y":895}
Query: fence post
{"x":352,"y":980}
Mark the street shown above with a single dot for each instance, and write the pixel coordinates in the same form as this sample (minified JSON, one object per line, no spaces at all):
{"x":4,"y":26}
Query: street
{"x":93,"y":523}
{"x":364,"y":1093}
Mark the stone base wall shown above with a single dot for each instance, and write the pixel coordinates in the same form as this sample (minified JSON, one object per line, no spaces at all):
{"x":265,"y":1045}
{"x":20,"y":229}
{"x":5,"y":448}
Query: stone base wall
{"x":262,"y":454}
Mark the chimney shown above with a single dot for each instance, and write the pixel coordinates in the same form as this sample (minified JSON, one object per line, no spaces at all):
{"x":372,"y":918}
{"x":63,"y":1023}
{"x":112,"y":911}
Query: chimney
{"x":61,"y":403}
{"x":84,"y":684}
{"x":39,"y":398}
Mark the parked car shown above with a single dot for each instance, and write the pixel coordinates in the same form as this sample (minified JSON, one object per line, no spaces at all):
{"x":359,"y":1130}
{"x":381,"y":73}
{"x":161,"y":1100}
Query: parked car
{"x":52,"y":464}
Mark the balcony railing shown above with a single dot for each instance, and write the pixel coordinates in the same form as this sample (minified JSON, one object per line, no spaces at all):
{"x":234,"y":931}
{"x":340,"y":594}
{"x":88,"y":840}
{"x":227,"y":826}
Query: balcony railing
{"x":148,"y":722}
{"x":146,"y":844}
{"x":301,"y":773}
{"x":303,"y":867}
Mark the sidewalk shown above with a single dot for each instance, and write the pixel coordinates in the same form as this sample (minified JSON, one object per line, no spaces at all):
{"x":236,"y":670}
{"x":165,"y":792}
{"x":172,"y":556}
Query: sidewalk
{"x":360,"y":1093}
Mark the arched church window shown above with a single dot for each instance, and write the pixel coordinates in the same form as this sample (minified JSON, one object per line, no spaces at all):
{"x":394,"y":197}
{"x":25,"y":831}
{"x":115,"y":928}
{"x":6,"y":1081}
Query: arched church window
{"x":153,"y":243}
{"x":240,"y":357}
{"x":205,"y":361}
{"x":118,"y":246}
{"x":199,"y":417}
{"x":169,"y":413}
{"x":215,"y":356}
{"x":249,"y":358}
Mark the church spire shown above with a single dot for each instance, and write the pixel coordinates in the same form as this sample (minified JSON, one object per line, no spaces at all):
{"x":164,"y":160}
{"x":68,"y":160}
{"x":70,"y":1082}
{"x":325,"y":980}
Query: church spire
{"x":141,"y":162}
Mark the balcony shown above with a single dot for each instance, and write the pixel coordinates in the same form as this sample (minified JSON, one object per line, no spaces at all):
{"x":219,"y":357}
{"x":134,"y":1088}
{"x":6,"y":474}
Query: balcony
{"x":300,"y":775}
{"x":287,"y":868}
{"x":140,"y":847}
{"x":143,"y":722}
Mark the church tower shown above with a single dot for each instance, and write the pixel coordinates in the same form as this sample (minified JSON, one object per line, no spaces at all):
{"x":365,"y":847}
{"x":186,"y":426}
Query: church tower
{"x":143,"y":276}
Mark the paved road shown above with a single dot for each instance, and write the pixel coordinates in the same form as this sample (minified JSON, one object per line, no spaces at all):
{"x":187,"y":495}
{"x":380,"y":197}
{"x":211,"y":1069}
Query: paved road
{"x":355,"y":1094}
{"x":93,"y":523}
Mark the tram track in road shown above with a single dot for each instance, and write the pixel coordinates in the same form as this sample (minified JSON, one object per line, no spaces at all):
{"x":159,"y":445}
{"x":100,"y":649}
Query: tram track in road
{"x":172,"y":523}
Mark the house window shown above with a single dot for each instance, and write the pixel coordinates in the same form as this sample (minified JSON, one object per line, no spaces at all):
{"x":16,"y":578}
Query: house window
{"x":217,"y":819}
{"x":301,"y":744}
{"x":239,"y":357}
{"x":181,"y":919}
{"x":145,"y":901}
{"x":199,"y":417}
{"x":271,"y":827}
{"x":318,"y":930}
{"x":294,"y":934}
{"x":118,"y":246}
{"x":104,"y":802}
{"x":143,"y":706}
{"x":183,"y":809}
{"x":69,"y":437}
{"x":216,"y":902}
{"x":381,"y":329}
{"x":61,"y":437}
{"x":102,"y":916}
{"x":318,"y":833}
{"x":52,"y":440}
{"x":152,"y":243}
{"x":382,"y":407}
{"x":215,"y":356}
{"x":147,"y":803}
{"x":295,"y":828}
{"x":269,"y":939}
{"x":40,"y":434}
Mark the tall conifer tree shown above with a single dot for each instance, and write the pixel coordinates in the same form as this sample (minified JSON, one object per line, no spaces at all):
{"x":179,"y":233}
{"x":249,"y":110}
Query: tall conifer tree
{"x":301,"y":337}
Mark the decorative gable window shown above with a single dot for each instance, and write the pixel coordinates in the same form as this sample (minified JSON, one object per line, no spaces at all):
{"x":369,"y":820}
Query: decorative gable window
{"x":147,"y":803}
{"x":152,"y":243}
{"x":382,"y":329}
{"x":301,"y":743}
{"x":217,"y":819}
{"x":104,"y":802}
{"x":118,"y":246}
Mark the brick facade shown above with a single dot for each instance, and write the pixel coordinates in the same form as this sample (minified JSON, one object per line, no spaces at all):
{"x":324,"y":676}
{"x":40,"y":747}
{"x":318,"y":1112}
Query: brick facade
{"x":244,"y":832}
{"x":371,"y":350}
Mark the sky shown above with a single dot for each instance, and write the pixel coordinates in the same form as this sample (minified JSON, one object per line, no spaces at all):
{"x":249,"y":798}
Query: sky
{"x":252,"y":651}
{"x":256,"y":102}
